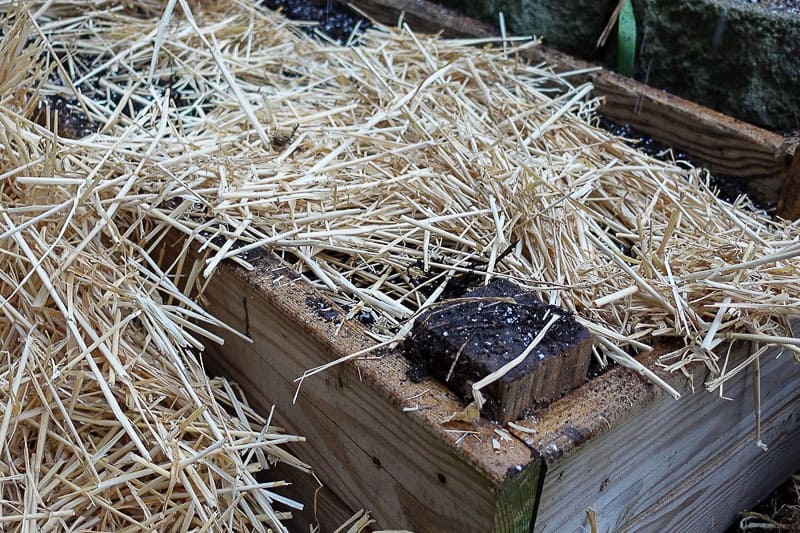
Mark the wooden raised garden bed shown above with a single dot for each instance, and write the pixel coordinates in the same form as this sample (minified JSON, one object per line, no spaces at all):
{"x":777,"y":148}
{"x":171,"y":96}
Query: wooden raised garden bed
{"x":611,"y":451}
{"x":455,"y":199}
{"x":726,"y":146}
{"x":613,"y":445}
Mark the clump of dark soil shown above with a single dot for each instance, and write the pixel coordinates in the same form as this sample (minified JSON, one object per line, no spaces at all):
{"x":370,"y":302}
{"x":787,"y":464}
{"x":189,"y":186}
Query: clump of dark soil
{"x":462,"y":340}
{"x":322,"y":308}
{"x":72,"y":121}
{"x":334,"y":20}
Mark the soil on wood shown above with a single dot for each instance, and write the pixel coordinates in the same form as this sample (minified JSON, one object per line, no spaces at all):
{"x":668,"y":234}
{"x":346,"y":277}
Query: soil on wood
{"x":641,"y":141}
{"x":462,"y":340}
{"x":323,"y":308}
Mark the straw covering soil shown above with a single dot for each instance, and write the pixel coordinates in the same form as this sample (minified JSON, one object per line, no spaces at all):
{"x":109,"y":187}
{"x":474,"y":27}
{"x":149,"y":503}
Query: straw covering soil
{"x":379,"y":171}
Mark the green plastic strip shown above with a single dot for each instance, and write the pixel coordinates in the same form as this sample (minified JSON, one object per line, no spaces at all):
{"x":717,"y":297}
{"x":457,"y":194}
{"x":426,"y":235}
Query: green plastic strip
{"x":626,"y":39}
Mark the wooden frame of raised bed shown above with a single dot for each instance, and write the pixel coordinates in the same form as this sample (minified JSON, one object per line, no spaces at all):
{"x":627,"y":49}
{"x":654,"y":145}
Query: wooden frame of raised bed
{"x":766,"y":162}
{"x":610,"y":449}
{"x":612,"y":445}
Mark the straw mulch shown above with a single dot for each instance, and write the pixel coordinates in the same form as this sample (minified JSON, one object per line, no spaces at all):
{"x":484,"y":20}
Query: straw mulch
{"x":107,"y":420}
{"x":379,"y":171}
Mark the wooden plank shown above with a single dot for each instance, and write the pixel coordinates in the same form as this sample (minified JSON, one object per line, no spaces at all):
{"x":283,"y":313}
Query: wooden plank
{"x":618,"y":444}
{"x":726,"y":146}
{"x":538,"y":352}
{"x":646,"y":462}
{"x":789,"y":202}
{"x":408,"y":468}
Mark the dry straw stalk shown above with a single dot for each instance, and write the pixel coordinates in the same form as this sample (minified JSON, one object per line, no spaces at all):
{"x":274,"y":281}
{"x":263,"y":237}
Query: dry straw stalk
{"x":379,"y":172}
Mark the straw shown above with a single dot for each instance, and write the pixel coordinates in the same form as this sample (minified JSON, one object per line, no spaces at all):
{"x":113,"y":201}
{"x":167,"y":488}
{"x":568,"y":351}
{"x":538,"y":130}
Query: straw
{"x":380,"y":173}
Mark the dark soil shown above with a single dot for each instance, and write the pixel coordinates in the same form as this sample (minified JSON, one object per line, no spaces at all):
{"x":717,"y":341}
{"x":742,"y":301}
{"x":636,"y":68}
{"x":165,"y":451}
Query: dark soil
{"x":642,"y":141}
{"x":366,"y":317}
{"x":729,"y":188}
{"x":72,"y":122}
{"x":482,"y":332}
{"x":597,"y":368}
{"x":334,"y":20}
{"x":322,"y":308}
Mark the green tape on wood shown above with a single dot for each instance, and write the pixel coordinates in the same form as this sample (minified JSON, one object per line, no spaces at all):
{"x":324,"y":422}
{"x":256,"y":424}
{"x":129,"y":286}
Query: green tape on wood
{"x":626,"y":39}
{"x":518,"y":499}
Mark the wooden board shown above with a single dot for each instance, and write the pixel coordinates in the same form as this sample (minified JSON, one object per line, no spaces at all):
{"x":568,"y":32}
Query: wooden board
{"x":463,"y":340}
{"x":407,"y":467}
{"x":726,"y":146}
{"x":618,"y":444}
{"x":789,"y":202}
{"x":645,"y":462}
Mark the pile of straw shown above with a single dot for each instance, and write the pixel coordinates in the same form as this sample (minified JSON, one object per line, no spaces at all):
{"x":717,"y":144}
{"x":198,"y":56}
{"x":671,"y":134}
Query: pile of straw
{"x":107,"y":420}
{"x":379,"y":171}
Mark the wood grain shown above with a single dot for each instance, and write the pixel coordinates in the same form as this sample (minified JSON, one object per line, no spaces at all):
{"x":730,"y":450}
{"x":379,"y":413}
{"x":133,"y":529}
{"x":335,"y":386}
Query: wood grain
{"x":408,"y":468}
{"x":789,"y":202}
{"x":618,"y":443}
{"x":422,"y":16}
{"x":554,"y":376}
{"x":646,"y":462}
{"x":508,"y":349}
{"x":726,"y":146}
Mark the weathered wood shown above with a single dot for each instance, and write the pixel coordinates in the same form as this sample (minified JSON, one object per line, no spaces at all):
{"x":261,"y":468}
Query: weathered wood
{"x":646,"y":462}
{"x":789,"y":202}
{"x":617,"y":444}
{"x":409,"y":468}
{"x":538,"y":352}
{"x":726,"y":146}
